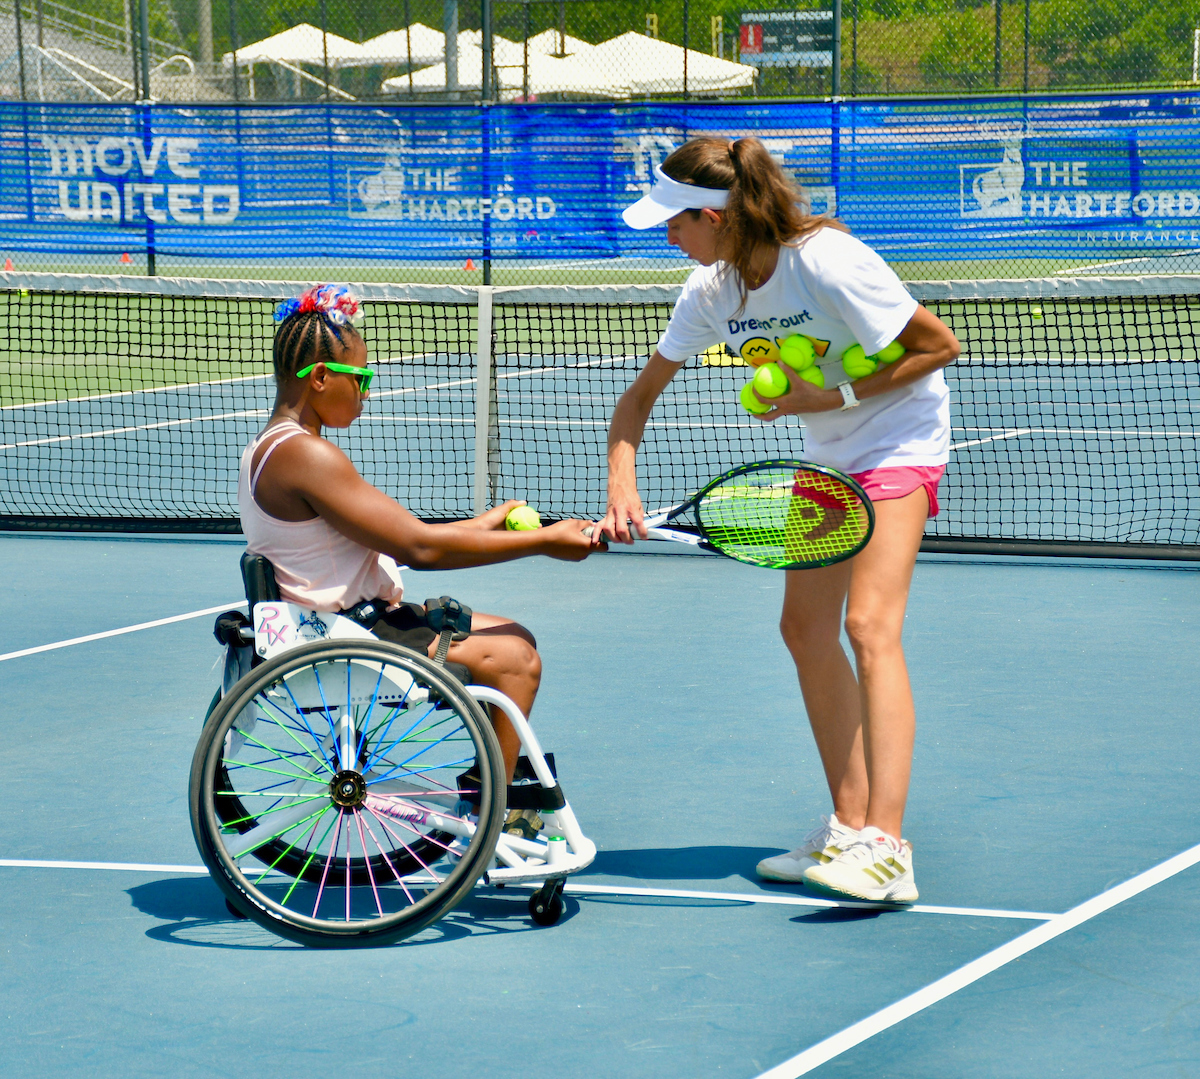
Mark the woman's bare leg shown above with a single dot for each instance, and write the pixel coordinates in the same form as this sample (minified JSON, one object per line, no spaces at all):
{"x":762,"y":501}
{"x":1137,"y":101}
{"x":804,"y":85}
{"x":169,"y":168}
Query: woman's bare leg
{"x":811,"y":626}
{"x":501,"y":654}
{"x":863,"y":725}
{"x":879,"y":585}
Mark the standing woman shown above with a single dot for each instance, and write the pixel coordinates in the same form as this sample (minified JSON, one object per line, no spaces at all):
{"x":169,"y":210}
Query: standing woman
{"x":769,"y":269}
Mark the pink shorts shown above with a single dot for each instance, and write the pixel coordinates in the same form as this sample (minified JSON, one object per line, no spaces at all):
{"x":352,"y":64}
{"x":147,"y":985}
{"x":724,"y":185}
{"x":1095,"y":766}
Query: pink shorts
{"x":884,"y":483}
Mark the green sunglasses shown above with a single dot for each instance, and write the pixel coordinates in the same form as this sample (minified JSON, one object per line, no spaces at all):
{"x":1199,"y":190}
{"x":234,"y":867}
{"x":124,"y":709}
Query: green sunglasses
{"x":363,"y":374}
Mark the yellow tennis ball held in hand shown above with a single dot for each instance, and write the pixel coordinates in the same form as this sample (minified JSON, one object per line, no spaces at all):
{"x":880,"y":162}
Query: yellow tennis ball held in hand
{"x":751,"y":403}
{"x":798,"y":352}
{"x":770,"y":381}
{"x":889,"y":353}
{"x":522,"y":519}
{"x":856,"y":363}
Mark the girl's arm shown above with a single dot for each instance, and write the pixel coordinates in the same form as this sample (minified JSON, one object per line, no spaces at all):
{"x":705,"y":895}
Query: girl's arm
{"x":624,"y":436}
{"x":323,"y":477}
{"x":929,"y":345}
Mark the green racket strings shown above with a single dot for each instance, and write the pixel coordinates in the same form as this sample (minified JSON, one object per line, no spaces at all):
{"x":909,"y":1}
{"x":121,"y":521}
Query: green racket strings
{"x":780,"y":517}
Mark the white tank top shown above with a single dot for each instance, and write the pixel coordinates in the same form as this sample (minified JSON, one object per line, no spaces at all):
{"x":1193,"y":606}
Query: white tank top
{"x":315,"y":565}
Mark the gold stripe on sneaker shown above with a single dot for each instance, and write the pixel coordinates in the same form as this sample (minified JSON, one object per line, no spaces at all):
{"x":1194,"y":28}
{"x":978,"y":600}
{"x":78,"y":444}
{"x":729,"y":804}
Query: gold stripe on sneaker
{"x":874,"y":876}
{"x":882,"y":867}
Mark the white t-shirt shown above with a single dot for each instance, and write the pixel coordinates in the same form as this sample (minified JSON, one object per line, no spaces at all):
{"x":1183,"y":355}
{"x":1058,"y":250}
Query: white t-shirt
{"x":836,"y":291}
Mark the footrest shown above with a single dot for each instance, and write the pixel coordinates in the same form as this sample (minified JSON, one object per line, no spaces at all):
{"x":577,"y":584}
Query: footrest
{"x":526,"y":791}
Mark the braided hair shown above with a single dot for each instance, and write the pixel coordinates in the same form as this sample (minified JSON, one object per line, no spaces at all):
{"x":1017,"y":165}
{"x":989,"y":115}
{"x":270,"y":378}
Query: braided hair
{"x":312,"y":328}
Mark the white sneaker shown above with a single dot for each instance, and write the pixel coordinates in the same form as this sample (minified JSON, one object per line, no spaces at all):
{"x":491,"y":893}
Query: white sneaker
{"x":876,"y":867}
{"x":821,"y":845}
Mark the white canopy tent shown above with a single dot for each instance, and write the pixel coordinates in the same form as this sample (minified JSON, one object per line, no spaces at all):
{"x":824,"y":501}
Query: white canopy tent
{"x":548,"y":43}
{"x":547,"y":75}
{"x":303,"y":44}
{"x":428,"y":46}
{"x":646,"y":65}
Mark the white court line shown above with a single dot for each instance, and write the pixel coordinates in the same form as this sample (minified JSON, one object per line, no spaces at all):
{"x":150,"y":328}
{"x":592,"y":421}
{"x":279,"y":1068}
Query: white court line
{"x":125,"y":430}
{"x":134,"y":393}
{"x":994,"y":438}
{"x":119,"y":632}
{"x":802,"y":901}
{"x":1076,"y":432}
{"x":594,"y":889}
{"x":135,"y":867}
{"x":839,"y":1043}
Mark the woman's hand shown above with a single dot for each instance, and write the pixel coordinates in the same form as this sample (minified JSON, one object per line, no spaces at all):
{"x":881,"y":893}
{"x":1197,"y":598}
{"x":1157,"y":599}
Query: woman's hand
{"x":623,"y":521}
{"x":495,"y":518}
{"x":803,"y":396}
{"x":565,"y":540}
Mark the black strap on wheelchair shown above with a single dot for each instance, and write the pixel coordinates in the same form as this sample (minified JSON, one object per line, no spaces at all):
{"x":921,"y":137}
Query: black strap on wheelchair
{"x":449,"y":619}
{"x":228,"y":626}
{"x":525,"y":792}
{"x":366,"y":613}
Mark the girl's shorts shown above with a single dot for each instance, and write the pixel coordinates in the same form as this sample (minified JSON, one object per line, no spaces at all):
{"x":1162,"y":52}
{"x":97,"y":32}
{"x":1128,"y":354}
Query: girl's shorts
{"x":884,"y":483}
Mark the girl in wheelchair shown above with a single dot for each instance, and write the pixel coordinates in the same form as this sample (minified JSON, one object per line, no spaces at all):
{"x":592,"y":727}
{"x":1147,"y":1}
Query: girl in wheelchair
{"x":336,"y":542}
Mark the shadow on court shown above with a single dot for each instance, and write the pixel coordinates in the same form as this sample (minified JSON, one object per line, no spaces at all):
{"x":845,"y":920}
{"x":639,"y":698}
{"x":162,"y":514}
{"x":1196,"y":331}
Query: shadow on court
{"x":681,"y":863}
{"x":193,"y":913}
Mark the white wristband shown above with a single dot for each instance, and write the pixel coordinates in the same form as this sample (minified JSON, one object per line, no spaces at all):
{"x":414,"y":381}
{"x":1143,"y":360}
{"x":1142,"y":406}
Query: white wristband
{"x":848,"y":398}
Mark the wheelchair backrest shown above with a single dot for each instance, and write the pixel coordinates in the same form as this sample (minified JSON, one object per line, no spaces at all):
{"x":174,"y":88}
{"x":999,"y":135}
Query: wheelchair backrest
{"x":258,"y":577}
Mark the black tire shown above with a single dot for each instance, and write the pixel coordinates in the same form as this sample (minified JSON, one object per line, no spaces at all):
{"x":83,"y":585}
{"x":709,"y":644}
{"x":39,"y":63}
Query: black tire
{"x":546,"y":905}
{"x":284,"y":720}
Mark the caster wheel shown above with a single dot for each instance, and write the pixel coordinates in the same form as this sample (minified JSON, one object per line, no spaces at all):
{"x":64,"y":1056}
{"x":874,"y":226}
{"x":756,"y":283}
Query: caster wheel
{"x":546,"y":905}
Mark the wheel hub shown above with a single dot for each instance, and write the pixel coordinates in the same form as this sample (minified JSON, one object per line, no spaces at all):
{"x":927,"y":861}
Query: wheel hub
{"x":348,"y":789}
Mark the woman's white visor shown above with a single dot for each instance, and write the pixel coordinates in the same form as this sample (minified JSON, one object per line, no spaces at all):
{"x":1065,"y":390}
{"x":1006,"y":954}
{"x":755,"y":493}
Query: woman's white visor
{"x":667,"y":197}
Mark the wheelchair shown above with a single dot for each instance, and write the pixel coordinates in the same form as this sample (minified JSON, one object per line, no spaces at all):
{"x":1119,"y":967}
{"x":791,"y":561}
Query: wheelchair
{"x":349,"y":792}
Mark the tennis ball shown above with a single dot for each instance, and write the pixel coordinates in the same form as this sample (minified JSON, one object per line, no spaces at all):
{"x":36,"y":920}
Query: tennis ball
{"x":889,"y":353}
{"x":813,"y":375}
{"x":856,"y":363}
{"x":522,"y":519}
{"x":770,"y":381}
{"x":751,"y":403}
{"x":798,"y":352}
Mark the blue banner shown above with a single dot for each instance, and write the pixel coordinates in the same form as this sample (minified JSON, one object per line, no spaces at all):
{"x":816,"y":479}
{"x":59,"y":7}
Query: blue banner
{"x":1084,"y":178}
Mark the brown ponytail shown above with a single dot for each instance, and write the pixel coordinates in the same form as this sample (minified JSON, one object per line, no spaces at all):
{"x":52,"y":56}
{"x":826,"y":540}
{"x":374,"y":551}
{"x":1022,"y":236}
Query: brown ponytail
{"x":766,"y":208}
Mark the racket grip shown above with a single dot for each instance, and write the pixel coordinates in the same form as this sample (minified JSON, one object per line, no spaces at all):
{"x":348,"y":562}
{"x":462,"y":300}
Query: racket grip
{"x":588,"y":531}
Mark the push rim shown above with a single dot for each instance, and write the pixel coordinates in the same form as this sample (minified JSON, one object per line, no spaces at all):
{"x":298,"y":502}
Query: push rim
{"x":347,"y":770}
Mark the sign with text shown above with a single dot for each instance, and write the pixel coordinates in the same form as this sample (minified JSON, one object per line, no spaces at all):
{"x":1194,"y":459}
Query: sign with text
{"x":1086,"y":179}
{"x":787,"y":38}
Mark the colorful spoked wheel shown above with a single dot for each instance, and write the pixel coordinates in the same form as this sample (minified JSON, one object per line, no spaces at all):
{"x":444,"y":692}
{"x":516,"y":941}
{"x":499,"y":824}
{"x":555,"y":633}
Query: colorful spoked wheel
{"x":347,"y":793}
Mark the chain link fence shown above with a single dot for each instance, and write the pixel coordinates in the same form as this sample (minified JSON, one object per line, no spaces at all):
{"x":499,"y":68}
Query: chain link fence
{"x":547,"y":50}
{"x":969,"y":181}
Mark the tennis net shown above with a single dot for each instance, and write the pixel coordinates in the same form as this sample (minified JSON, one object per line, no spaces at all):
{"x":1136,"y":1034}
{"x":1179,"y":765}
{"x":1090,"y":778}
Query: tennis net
{"x":125,"y":404}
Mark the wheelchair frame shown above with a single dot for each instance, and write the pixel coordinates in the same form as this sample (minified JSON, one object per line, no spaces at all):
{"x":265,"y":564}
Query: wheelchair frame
{"x":379,"y":767}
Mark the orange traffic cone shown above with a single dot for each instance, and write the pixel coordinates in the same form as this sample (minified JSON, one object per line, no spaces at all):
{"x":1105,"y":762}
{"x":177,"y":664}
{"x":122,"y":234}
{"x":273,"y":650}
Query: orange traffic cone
{"x":470,"y":265}
{"x":125,"y":260}
{"x":8,"y":264}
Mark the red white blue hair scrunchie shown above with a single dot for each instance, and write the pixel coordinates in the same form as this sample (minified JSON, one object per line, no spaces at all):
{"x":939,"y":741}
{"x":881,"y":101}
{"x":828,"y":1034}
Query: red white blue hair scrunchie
{"x":336,"y":304}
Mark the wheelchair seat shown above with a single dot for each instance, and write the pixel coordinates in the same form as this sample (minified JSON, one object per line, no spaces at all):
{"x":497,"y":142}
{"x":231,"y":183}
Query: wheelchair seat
{"x":258,"y":578}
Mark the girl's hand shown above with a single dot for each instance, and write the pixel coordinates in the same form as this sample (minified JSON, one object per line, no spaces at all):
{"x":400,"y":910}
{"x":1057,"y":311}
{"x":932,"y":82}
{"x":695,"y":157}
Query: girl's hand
{"x":802,"y":397}
{"x":565,"y":540}
{"x":493,"y":520}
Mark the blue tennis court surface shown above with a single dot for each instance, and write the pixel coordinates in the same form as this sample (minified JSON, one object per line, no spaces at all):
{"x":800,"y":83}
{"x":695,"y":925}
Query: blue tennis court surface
{"x":1056,"y":760}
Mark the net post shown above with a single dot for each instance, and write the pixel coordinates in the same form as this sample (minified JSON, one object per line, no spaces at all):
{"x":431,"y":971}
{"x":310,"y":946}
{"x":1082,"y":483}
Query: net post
{"x":483,"y":396}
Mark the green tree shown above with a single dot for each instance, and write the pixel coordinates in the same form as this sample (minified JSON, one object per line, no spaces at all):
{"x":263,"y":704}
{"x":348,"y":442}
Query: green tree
{"x":1106,"y":42}
{"x":961,"y":55}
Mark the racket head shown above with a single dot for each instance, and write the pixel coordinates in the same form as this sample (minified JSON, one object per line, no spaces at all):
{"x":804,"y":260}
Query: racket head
{"x":785,"y":515}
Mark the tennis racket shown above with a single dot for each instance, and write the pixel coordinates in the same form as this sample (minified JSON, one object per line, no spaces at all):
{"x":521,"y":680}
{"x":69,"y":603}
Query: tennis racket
{"x":775,"y":514}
